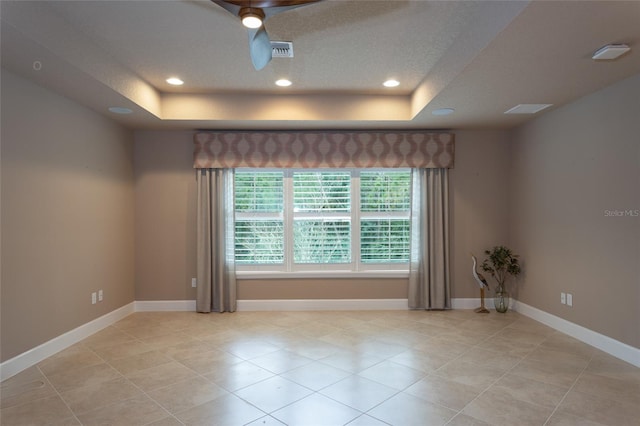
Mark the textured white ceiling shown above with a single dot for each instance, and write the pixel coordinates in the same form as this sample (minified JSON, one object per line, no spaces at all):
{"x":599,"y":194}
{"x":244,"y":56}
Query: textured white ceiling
{"x":479,"y":57}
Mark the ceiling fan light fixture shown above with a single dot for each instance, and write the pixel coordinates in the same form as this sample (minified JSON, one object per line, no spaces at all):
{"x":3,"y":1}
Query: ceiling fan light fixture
{"x":252,"y":17}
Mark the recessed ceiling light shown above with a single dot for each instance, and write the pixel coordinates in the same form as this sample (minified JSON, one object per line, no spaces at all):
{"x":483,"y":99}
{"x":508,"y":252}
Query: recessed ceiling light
{"x":443,"y":111}
{"x":527,"y":108}
{"x":120,"y":110}
{"x":610,"y":52}
{"x":175,"y":81}
{"x":283,"y":82}
{"x":391,"y":83}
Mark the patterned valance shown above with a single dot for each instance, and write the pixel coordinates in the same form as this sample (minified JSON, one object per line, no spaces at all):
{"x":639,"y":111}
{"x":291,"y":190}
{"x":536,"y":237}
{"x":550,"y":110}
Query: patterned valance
{"x":331,"y":149}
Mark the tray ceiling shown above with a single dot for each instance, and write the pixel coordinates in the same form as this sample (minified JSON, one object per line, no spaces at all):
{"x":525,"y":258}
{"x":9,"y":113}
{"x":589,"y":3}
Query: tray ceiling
{"x":480,"y":58}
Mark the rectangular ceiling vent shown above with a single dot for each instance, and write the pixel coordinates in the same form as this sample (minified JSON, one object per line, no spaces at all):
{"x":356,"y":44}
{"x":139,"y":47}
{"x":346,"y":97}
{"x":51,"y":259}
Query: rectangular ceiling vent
{"x":282,"y":49}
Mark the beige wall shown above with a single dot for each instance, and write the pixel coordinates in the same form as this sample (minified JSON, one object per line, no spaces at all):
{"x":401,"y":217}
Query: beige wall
{"x":479,"y":203}
{"x":165,"y":222}
{"x":327,"y":288}
{"x":568,"y":168}
{"x":67,"y":215}
{"x":165,"y":215}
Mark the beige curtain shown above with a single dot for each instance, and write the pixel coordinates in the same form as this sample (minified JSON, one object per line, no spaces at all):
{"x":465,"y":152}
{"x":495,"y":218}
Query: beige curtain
{"x":216,"y":289}
{"x":429,"y":277}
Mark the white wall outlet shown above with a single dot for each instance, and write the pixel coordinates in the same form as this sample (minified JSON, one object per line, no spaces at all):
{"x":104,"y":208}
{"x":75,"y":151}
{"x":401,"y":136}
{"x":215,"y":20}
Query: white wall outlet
{"x":569,"y":299}
{"x":100,"y":295}
{"x":563,"y":298}
{"x":94,"y":297}
{"x":193,"y":282}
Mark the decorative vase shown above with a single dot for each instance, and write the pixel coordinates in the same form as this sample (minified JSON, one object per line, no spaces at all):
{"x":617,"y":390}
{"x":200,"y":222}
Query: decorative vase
{"x":501,"y":299}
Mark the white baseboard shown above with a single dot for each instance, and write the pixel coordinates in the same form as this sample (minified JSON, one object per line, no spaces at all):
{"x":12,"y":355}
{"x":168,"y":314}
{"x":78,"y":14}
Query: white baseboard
{"x":165,"y":305}
{"x":33,"y":356}
{"x":323,"y":305}
{"x":607,"y":344}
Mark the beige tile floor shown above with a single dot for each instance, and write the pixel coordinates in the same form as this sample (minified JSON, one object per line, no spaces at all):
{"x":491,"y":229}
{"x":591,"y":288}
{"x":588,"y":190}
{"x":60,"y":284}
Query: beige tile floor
{"x":324,"y":369}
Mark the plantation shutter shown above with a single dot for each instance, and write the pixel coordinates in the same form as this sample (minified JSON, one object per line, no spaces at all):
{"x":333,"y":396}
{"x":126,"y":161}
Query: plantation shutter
{"x":385,"y":200}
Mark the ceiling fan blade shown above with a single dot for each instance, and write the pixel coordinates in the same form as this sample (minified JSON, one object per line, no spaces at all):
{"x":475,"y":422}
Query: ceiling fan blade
{"x":229,"y":7}
{"x":270,"y":7}
{"x":274,"y":10}
{"x":259,"y":48}
{"x":266,"y":3}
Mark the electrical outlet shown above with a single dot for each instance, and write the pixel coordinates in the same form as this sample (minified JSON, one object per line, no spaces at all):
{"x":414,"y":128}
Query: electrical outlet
{"x":569,"y":299}
{"x":100,"y":295}
{"x":193,"y":282}
{"x":94,"y":296}
{"x":563,"y":298}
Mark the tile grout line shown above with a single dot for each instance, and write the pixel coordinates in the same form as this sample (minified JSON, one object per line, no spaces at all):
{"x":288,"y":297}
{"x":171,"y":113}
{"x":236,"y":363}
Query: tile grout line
{"x":59,"y":395}
{"x":499,"y":378}
{"x":228,"y":392}
{"x":127,"y":379}
{"x":452,"y":360}
{"x":458,"y":412}
{"x":569,"y":390}
{"x":318,"y":392}
{"x":492,"y":383}
{"x":133,"y":384}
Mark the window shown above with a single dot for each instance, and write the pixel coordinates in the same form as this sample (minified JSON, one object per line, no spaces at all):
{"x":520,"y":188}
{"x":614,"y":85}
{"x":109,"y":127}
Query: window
{"x":321,"y":217}
{"x":384,"y":216}
{"x":259,"y":225}
{"x":311,"y":220}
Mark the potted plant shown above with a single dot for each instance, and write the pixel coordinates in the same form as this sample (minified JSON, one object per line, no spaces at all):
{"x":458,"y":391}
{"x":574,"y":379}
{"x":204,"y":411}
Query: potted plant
{"x":501,"y":263}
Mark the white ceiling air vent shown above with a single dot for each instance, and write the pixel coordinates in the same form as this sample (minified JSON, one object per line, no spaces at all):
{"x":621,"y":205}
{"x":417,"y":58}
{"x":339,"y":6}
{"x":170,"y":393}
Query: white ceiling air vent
{"x":282,"y":49}
{"x":610,"y":52}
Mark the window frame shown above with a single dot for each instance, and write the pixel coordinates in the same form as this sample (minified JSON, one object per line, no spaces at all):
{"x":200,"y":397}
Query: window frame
{"x":356,"y":268}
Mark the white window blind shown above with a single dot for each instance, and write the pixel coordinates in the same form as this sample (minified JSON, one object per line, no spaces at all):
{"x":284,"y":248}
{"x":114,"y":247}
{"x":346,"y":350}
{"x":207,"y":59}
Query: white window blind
{"x":259,"y":202}
{"x":321,"y":217}
{"x":385,"y":198}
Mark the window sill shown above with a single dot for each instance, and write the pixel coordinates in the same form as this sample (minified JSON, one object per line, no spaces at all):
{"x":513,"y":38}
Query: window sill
{"x":268,"y":275}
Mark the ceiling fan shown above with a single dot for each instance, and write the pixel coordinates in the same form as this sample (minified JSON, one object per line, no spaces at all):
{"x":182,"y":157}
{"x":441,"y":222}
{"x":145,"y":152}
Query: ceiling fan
{"x":253,"y":13}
